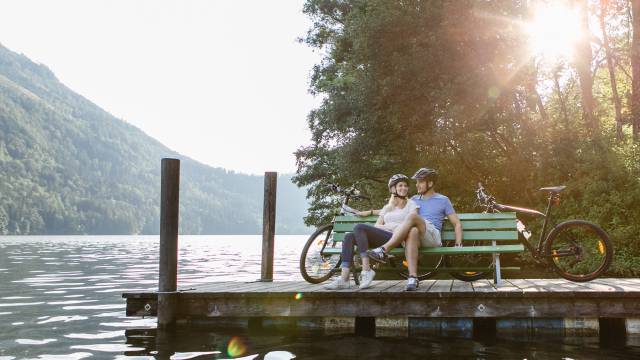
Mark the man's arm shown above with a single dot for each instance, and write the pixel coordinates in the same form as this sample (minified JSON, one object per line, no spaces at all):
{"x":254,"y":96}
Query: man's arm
{"x":457,"y":226}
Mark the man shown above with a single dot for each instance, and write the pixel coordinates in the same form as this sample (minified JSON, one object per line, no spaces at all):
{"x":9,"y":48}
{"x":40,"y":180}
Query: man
{"x":432,"y":209}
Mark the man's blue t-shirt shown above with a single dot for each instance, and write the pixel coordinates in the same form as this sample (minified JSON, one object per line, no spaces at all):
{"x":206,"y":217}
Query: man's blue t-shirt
{"x":434,"y":209}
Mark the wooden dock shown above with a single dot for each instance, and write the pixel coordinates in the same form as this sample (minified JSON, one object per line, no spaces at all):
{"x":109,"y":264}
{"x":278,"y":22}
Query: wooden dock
{"x":438,"y":305}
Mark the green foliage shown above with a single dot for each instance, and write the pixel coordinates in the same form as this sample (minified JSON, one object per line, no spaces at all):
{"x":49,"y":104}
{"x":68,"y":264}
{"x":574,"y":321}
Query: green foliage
{"x":68,"y":167}
{"x":450,"y":85}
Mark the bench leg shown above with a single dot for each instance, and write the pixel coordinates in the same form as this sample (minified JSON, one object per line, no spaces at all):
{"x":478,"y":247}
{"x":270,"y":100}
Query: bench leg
{"x":497,"y":278}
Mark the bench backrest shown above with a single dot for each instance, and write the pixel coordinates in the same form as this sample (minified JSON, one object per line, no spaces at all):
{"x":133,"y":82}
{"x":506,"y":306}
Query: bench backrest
{"x":475,"y":226}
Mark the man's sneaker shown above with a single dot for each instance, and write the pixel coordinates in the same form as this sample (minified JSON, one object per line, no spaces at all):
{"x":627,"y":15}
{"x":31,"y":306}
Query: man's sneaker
{"x":338,"y":284}
{"x":366,"y":278}
{"x":412,"y":284}
{"x":377,"y":255}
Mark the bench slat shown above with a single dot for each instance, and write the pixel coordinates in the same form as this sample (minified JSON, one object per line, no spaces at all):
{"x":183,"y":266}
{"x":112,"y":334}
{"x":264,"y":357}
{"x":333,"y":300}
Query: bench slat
{"x":454,"y":250}
{"x":466,"y":225}
{"x":500,"y":235}
{"x":462,"y":216}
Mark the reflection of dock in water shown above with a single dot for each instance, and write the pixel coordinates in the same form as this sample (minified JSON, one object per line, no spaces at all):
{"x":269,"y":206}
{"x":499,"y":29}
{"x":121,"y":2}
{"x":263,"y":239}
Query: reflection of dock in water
{"x":438,"y":307}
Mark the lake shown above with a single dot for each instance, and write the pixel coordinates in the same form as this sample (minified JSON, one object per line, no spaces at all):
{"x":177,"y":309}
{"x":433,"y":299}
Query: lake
{"x":60,"y":298}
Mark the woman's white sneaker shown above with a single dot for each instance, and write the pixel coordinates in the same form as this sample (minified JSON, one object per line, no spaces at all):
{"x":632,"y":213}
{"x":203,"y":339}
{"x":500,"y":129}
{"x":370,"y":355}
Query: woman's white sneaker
{"x":337,"y":284}
{"x":366,"y":278}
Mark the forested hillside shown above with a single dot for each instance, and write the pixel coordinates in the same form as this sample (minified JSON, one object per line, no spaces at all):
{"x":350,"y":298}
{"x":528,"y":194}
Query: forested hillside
{"x":489,"y":91}
{"x":69,"y":167}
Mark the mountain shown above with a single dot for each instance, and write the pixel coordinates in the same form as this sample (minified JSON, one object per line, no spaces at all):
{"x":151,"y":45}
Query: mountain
{"x":69,"y":167}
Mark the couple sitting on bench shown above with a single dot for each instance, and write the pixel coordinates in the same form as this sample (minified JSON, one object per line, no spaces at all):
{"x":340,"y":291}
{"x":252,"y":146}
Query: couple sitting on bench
{"x":413,"y":223}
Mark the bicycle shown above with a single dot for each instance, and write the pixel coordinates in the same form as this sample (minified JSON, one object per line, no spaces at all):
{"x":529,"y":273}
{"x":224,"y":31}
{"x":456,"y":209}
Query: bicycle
{"x":317,"y":266}
{"x":577,"y":250}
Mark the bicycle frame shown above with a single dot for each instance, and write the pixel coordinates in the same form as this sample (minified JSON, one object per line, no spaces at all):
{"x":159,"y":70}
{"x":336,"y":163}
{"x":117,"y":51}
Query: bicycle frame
{"x":537,"y":250}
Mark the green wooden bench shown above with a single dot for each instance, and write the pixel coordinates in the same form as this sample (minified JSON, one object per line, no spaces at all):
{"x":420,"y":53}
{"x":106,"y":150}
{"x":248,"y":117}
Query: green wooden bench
{"x":494,"y":233}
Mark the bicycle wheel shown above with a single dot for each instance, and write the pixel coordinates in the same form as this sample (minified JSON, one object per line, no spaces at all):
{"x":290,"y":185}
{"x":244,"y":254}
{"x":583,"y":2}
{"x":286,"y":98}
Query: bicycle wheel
{"x":315,"y":266}
{"x":474,"y":262}
{"x":578,"y":250}
{"x":427,"y":266}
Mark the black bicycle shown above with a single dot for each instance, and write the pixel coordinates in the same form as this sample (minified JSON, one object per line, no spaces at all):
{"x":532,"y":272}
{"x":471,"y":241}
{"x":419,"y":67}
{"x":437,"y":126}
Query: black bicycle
{"x":317,"y":266}
{"x":577,"y":250}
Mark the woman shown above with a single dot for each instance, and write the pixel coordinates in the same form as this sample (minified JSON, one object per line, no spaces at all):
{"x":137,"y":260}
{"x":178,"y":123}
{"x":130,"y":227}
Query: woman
{"x":365,"y":235}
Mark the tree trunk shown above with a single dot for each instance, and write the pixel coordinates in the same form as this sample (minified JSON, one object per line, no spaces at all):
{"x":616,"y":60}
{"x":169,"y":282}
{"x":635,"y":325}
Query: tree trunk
{"x":563,"y":106}
{"x":583,"y":67}
{"x":612,"y":71}
{"x":635,"y":70}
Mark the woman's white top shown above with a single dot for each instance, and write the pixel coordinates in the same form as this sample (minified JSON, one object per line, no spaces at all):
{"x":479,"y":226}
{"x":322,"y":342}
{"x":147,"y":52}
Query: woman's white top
{"x":394,"y":216}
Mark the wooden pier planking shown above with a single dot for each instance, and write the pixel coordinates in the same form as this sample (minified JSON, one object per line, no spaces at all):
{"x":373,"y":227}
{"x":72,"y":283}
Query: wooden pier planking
{"x":517,"y":298}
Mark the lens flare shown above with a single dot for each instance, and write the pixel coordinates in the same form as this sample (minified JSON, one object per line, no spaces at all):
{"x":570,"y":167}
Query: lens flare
{"x":236,"y":347}
{"x":298,"y":296}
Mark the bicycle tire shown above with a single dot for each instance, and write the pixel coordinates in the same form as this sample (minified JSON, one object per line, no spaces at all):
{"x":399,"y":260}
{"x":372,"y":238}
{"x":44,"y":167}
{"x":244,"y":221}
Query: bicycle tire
{"x":599,"y":245}
{"x":470,"y":275}
{"x":404,"y":273}
{"x":311,"y":271}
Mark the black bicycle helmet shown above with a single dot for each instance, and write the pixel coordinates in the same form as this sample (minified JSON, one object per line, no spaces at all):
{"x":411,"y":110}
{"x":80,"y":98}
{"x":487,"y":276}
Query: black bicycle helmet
{"x":395,"y":179}
{"x":425,"y":174}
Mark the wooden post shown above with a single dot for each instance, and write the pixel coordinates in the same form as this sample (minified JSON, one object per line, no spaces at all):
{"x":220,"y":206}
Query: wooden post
{"x":268,"y":224}
{"x":168,"y":279}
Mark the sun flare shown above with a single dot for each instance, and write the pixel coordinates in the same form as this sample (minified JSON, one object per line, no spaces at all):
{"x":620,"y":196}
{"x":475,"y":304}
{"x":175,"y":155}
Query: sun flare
{"x":554,"y":32}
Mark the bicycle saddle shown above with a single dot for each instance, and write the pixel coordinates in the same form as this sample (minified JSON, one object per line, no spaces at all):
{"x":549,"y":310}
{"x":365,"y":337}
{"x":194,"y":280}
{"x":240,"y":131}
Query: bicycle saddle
{"x":553,"y":189}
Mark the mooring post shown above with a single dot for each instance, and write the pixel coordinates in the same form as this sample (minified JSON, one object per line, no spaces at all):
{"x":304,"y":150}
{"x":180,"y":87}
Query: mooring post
{"x":168,"y":280}
{"x":268,"y":224}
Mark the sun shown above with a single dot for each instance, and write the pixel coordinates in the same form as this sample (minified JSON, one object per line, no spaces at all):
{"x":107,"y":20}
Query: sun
{"x":554,"y":32}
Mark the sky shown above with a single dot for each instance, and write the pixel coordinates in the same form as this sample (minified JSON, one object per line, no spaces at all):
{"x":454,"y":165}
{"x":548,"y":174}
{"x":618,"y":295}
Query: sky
{"x":223,"y":82}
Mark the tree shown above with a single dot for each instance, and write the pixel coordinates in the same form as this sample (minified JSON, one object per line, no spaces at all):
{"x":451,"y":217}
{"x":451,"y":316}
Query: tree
{"x":635,"y":70}
{"x":583,"y":59}
{"x":611,"y":67}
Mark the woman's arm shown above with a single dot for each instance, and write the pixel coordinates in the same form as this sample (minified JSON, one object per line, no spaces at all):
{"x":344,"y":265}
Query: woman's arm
{"x":368,"y":213}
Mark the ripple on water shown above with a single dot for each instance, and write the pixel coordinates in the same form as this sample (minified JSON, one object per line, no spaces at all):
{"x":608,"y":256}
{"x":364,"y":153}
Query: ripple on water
{"x":147,"y":322}
{"x":107,"y":347}
{"x":21,"y":304}
{"x":94,"y":307}
{"x":70,"y":302}
{"x":16,"y":297}
{"x":191,"y":355}
{"x":72,"y":356}
{"x":279,"y":355}
{"x":34,"y":342}
{"x":64,"y":319}
{"x":101,"y":335}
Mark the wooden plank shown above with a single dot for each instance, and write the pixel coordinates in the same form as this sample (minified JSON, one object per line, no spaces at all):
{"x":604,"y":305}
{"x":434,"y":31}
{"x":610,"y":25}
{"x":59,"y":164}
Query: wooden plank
{"x":500,"y":235}
{"x":447,"y":250}
{"x":441,"y":286}
{"x":462,"y":216}
{"x":507,"y":286}
{"x":483,"y":286}
{"x":447,"y":227}
{"x":383,"y":286}
{"x":620,"y":284}
{"x":461,"y":286}
{"x":426,"y":285}
{"x":525,"y":285}
{"x":482,"y":225}
{"x":249,"y":287}
{"x":483,"y":235}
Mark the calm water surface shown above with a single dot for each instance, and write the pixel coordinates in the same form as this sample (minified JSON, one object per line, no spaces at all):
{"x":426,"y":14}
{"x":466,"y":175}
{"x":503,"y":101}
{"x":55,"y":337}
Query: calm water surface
{"x":60,"y":298}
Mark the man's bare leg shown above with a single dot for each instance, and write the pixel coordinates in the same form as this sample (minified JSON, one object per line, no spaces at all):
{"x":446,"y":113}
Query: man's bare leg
{"x":411,"y":250}
{"x":402,"y":231}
